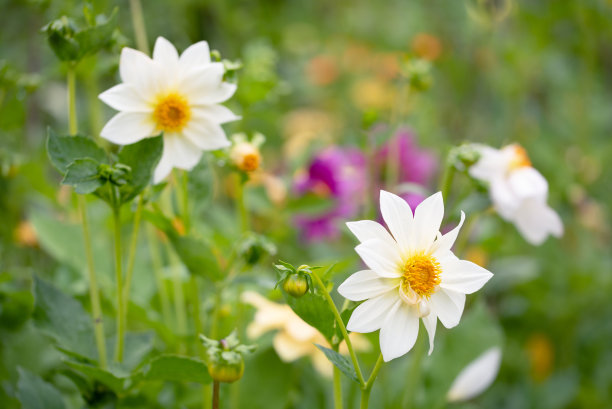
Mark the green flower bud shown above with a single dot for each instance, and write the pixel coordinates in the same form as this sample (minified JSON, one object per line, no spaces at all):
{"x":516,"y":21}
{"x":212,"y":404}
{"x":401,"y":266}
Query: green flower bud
{"x":225,"y":361}
{"x":254,"y":247}
{"x":296,"y":285}
{"x":222,"y":371}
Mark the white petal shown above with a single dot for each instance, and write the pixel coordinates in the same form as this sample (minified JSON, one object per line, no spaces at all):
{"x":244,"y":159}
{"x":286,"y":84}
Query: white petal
{"x":536,"y":220}
{"x":492,"y":163}
{"x":205,"y":134}
{"x":463,"y":276}
{"x":445,"y":243}
{"x":366,"y":284}
{"x":430,"y":322}
{"x":138,"y":70}
{"x":289,"y":349}
{"x":398,"y":216}
{"x":427,"y":219}
{"x":164,"y":52}
{"x":385,"y":260}
{"x":205,"y":86}
{"x":164,"y":167}
{"x":185,"y":155}
{"x":476,"y":377}
{"x":370,"y":315}
{"x":399,"y":331}
{"x":365,"y":230}
{"x":448,"y":306}
{"x":128,"y":127}
{"x":217,"y":114}
{"x":526,"y":182}
{"x":124,"y":97}
{"x":503,"y":197}
{"x":195,"y":55}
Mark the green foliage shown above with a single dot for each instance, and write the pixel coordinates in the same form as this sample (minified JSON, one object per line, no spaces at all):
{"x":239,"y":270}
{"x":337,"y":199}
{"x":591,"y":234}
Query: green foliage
{"x":83,"y":175}
{"x":64,"y":150}
{"x":341,"y":362}
{"x":177,"y":369}
{"x":142,"y":158}
{"x":313,"y":308}
{"x":35,"y":393}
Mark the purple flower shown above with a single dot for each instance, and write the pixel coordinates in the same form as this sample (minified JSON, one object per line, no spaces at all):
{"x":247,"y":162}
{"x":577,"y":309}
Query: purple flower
{"x":338,"y":174}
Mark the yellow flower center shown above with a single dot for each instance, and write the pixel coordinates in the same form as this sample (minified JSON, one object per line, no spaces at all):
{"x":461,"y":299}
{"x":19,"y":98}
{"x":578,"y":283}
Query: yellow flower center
{"x":171,"y":113}
{"x":250,"y":162}
{"x":421,"y":274}
{"x":520,"y":159}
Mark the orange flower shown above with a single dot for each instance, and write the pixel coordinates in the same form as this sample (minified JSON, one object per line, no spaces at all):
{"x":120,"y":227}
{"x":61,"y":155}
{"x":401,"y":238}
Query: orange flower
{"x":322,"y":70}
{"x":427,"y":46}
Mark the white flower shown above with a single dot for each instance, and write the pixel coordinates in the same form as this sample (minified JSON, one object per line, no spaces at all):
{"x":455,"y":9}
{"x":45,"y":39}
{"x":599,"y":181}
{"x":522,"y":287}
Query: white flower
{"x":294,"y":337}
{"x":413,"y":274}
{"x":244,"y":154}
{"x":518,"y":191}
{"x":476,"y":377}
{"x":177,"y":95}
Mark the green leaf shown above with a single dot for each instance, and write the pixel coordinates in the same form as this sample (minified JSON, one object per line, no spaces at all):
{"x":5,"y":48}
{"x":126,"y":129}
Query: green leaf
{"x":341,"y":362}
{"x":63,"y":318}
{"x":142,"y":157}
{"x":107,"y":378}
{"x":313,"y":309}
{"x":63,"y":150}
{"x":82,"y":174}
{"x":93,"y":39}
{"x":177,"y":368}
{"x":35,"y":393}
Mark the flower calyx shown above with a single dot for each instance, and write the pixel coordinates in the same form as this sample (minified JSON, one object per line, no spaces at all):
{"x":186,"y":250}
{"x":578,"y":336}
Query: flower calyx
{"x":225,"y":357}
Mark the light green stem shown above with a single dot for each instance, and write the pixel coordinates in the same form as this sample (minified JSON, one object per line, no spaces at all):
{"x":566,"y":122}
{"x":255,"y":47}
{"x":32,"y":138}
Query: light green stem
{"x":119,"y":279}
{"x":340,"y":323}
{"x":140,"y":31}
{"x":243,"y":214}
{"x":337,"y":388}
{"x":365,"y":391}
{"x":132,"y":256}
{"x":447,"y":176}
{"x":94,"y":294}
{"x":156,"y":263}
{"x":179,"y":296}
{"x":185,"y":202}
{"x":418,"y":352}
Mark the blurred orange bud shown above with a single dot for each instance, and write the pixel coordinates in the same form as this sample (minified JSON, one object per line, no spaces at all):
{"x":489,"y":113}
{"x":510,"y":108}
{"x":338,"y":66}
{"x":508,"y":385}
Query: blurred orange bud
{"x":541,"y":356}
{"x":477,"y":256}
{"x":322,"y":70}
{"x":373,"y":94}
{"x":356,"y":58}
{"x":388,"y":65}
{"x":427,"y":46}
{"x":275,"y":188}
{"x":25,"y":234}
{"x":178,"y":225}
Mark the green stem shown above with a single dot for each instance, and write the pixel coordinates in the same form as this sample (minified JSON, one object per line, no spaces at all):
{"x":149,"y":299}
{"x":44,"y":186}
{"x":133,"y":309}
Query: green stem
{"x":132,"y":256}
{"x":365,"y":391}
{"x":185,"y":202}
{"x":199,"y":328}
{"x":337,"y":386}
{"x":140,"y":31}
{"x":94,"y":294}
{"x":119,"y":279}
{"x":340,"y":323}
{"x":156,"y":263}
{"x":415,"y":370}
{"x":447,"y":176}
{"x":215,"y":398}
{"x":243,"y":214}
{"x":179,"y":296}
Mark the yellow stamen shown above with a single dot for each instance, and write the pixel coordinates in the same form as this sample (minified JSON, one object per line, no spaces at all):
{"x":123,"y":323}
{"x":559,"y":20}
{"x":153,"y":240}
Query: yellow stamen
{"x":520,"y":158}
{"x":250,"y":162}
{"x":171,"y":113}
{"x":421,"y":274}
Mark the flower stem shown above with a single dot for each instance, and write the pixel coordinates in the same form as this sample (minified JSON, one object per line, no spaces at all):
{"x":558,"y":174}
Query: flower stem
{"x":157,"y":271}
{"x":447,"y":176}
{"x":337,"y":386}
{"x":132,"y":257}
{"x":140,"y":31}
{"x":340,"y":323}
{"x":365,"y":391}
{"x":94,"y":294}
{"x":119,"y":279}
{"x":179,"y":296}
{"x":215,"y":398}
{"x":415,"y":370}
{"x":243,"y":214}
{"x":185,"y":202}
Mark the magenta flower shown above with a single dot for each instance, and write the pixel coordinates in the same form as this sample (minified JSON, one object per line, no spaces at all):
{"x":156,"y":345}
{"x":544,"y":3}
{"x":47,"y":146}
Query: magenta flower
{"x":340,"y":175}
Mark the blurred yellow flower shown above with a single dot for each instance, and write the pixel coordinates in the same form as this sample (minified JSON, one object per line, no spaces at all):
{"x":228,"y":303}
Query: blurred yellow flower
{"x":373,"y":93}
{"x":541,"y":356}
{"x":322,"y":70}
{"x":25,"y":234}
{"x":294,"y":338}
{"x":303,"y":126}
{"x":427,"y":46}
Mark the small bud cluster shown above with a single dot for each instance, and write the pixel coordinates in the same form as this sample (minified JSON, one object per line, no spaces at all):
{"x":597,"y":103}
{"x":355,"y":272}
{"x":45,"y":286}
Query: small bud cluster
{"x":294,"y":281}
{"x":225,"y":357}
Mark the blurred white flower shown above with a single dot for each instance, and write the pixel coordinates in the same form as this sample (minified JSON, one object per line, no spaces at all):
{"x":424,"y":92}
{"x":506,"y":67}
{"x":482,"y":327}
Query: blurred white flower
{"x":294,"y":337}
{"x":518,"y":191}
{"x":244,"y":153}
{"x":414,"y":274}
{"x":178,"y":96}
{"x":476,"y":377}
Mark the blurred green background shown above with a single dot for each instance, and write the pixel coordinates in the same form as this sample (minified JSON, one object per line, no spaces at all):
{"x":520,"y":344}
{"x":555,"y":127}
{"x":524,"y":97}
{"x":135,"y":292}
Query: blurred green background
{"x":317,"y":74}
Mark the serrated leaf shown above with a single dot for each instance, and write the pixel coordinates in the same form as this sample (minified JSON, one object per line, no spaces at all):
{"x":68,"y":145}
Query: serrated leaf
{"x":178,"y":369}
{"x":107,"y":378}
{"x":142,"y":157}
{"x":63,"y":150}
{"x":312,"y":308}
{"x":82,"y":174}
{"x":64,"y":319}
{"x":35,"y":393}
{"x":340,"y":361}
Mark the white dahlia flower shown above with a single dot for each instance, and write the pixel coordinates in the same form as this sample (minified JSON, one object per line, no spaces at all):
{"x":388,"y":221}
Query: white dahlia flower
{"x":178,"y":96}
{"x":413,"y":275}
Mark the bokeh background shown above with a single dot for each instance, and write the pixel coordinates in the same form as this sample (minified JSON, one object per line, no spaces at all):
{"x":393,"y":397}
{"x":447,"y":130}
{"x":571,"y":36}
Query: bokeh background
{"x":323,"y":74}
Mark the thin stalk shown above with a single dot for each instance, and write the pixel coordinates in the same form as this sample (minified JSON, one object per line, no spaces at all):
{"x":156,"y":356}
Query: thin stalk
{"x":340,"y":323}
{"x":119,"y":279}
{"x":94,"y":294}
{"x":195,"y":300}
{"x":179,"y":296}
{"x":447,"y":177}
{"x":243,"y":214}
{"x":365,"y":392}
{"x":185,"y":202}
{"x":140,"y":31}
{"x":132,"y":256}
{"x":215,"y":398}
{"x":415,"y":370}
{"x":157,"y":272}
{"x":337,"y":386}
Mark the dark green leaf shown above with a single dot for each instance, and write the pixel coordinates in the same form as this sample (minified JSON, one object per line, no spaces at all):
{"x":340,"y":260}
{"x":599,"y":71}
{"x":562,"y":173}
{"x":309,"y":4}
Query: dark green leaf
{"x":34,"y":393}
{"x":82,"y":174}
{"x":177,"y":368}
{"x":341,"y":362}
{"x":93,"y":39}
{"x":142,"y":157}
{"x":63,"y":318}
{"x":313,"y":309}
{"x":63,"y":150}
{"x":107,"y":378}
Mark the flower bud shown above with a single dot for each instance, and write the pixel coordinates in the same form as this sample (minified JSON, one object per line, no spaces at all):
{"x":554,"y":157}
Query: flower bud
{"x":254,"y":247}
{"x":296,"y":285}
{"x":417,"y":72}
{"x":223,"y":371}
{"x":244,"y":154}
{"x":225,"y":361}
